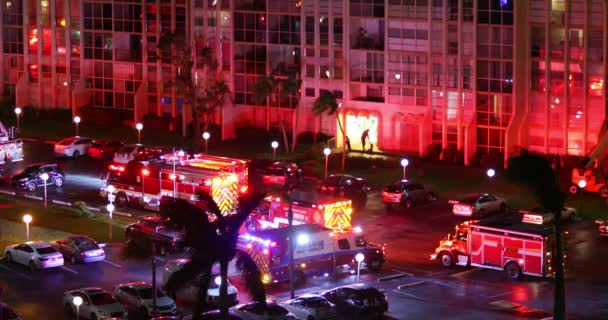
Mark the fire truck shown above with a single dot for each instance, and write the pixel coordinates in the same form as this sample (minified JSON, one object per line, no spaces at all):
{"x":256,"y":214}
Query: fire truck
{"x":216,"y":163}
{"x":11,"y":149}
{"x":307,"y":207}
{"x":144,"y":183}
{"x":501,"y":243}
{"x":318,"y":251}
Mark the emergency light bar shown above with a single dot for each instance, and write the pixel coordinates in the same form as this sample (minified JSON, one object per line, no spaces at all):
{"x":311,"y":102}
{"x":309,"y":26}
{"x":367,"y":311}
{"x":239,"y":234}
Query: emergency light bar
{"x":532,"y":218}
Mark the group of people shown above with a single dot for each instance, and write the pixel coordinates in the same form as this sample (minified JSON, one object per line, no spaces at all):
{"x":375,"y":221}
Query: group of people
{"x":364,"y":140}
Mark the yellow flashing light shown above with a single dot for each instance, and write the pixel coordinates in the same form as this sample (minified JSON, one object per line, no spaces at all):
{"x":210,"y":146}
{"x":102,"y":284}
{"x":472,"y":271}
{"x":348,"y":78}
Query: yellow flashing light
{"x":265,"y":278}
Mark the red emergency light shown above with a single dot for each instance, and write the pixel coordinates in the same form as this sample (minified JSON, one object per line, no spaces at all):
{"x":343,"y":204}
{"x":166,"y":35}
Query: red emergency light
{"x":116,"y":168}
{"x":145,"y":172}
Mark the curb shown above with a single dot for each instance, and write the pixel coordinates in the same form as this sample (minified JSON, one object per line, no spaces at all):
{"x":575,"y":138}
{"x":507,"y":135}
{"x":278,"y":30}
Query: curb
{"x":10,"y":193}
{"x":122,"y":214}
{"x":409,"y":285}
{"x":33,"y":197}
{"x":61,"y":203}
{"x":93,"y":208}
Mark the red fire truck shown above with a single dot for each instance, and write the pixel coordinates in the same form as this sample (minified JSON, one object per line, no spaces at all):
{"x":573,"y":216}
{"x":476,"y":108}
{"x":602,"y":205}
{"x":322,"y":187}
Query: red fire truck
{"x":307,"y":207}
{"x":146,"y":182}
{"x":318,"y":251}
{"x":216,"y":163}
{"x":500,"y":243}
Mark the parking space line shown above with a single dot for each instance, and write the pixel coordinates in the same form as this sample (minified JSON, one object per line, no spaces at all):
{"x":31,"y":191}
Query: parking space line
{"x":70,"y":270}
{"x":112,"y":263}
{"x":408,"y":294}
{"x":16,"y":272}
{"x":500,"y":295}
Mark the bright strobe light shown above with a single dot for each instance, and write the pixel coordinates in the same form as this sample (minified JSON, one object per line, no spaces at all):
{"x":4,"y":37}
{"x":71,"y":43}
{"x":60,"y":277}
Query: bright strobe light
{"x":303,"y":239}
{"x":218,"y":280}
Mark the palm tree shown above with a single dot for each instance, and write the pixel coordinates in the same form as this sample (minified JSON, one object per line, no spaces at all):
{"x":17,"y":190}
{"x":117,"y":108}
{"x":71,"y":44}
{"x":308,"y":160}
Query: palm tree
{"x":213,"y":242}
{"x":327,"y":103}
{"x":216,"y":93}
{"x":265,"y":91}
{"x":290,"y":87}
{"x":534,"y":172}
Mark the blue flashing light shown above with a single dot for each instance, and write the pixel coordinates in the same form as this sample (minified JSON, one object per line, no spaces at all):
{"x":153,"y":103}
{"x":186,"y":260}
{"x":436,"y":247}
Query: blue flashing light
{"x":504,"y":3}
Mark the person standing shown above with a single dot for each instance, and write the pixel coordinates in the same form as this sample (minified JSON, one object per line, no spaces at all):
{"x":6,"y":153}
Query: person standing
{"x":364,"y":137}
{"x":348,"y":144}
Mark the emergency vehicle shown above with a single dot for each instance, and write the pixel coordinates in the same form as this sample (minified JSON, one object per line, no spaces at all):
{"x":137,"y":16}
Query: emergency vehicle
{"x":307,"y":207}
{"x":318,"y":251}
{"x":11,"y":150}
{"x":146,"y":182}
{"x":216,"y":163}
{"x":501,"y":243}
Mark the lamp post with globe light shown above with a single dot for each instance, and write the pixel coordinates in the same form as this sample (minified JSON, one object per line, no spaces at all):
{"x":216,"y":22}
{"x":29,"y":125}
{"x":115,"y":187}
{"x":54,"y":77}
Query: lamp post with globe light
{"x":45,"y":178}
{"x":404,"y":164}
{"x":274,"y":146}
{"x":77,"y":121}
{"x":110,"y":208}
{"x":359,"y":257}
{"x":139,"y":126}
{"x":326,"y":152}
{"x":582,"y":184}
{"x":27,"y":219}
{"x":491,"y":173}
{"x":206,"y":137}
{"x":77,"y":302}
{"x":18,"y":114}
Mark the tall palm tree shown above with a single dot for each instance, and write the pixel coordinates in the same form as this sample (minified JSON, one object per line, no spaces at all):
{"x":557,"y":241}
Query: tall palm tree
{"x":265,"y":92}
{"x":215,"y":95}
{"x":534,"y":172}
{"x":290,"y":87}
{"x":327,"y":103}
{"x":213,"y":242}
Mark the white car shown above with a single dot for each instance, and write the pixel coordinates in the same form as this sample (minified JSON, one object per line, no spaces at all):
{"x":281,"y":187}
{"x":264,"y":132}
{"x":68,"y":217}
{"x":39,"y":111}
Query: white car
{"x":73,"y":147}
{"x":255,"y":311}
{"x":311,"y":306}
{"x":190,"y":291}
{"x":128,"y":153}
{"x":96,"y":304}
{"x":478,"y":205}
{"x":35,"y":254}
{"x":540,"y":215}
{"x":138,"y":296}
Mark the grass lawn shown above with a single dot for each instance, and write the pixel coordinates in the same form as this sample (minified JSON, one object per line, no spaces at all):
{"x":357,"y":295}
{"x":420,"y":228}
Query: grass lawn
{"x":13,"y":232}
{"x":59,"y":219}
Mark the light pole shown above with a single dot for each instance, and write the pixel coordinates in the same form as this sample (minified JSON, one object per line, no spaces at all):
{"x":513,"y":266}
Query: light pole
{"x":206,"y":136}
{"x":18,"y":114}
{"x":404,"y":164}
{"x":139,"y":126}
{"x":27,"y":219}
{"x":326,"y":152}
{"x":274,"y":146}
{"x":491,"y":173}
{"x":110,"y":208}
{"x":144,"y":173}
{"x":582,"y":184}
{"x":359,"y":257}
{"x":77,"y":121}
{"x":45,"y":178}
{"x":77,"y":302}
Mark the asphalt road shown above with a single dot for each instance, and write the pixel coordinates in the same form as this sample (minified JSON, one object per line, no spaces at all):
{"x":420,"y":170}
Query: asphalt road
{"x":416,"y":287}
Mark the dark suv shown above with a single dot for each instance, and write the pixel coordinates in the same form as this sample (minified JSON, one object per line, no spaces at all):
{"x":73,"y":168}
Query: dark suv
{"x":155,"y":234}
{"x":282,"y":173}
{"x":31,"y":177}
{"x":343,"y":185}
{"x":405,"y":193}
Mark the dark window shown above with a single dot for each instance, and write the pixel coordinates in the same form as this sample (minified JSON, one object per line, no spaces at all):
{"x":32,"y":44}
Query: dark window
{"x":343,"y":244}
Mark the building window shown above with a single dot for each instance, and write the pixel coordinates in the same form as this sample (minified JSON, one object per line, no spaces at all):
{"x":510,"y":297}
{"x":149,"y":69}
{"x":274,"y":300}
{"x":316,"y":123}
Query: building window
{"x":367,"y":8}
{"x":250,"y":59}
{"x":495,"y":12}
{"x":250,"y":27}
{"x":284,"y":29}
{"x":98,"y":45}
{"x":127,"y":18}
{"x":98,"y":16}
{"x":13,"y":40}
{"x":411,"y":9}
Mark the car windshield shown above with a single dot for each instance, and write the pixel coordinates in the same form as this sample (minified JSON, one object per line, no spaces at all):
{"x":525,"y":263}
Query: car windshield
{"x":86,"y":244}
{"x":315,"y":302}
{"x":127,"y":149}
{"x":469,"y":199}
{"x":275,"y":172}
{"x":46,"y":250}
{"x":31,"y":169}
{"x":146,"y":293}
{"x":66,"y":142}
{"x":102,"y":298}
{"x":394,"y":187}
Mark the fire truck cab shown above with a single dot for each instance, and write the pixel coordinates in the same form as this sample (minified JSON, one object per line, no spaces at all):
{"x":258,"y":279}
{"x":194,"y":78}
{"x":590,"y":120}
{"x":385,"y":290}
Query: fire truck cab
{"x":307,"y":207}
{"x":508,"y":244}
{"x":318,"y":251}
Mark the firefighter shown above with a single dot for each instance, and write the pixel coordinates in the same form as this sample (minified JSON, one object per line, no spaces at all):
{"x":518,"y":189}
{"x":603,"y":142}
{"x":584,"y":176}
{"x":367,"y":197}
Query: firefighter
{"x":364,"y":137}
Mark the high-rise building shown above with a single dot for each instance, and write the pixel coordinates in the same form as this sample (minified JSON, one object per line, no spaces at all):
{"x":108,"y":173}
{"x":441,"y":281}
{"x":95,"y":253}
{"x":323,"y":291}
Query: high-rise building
{"x":467,"y":79}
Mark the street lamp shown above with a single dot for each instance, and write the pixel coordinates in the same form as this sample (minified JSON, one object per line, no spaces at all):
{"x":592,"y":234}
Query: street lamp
{"x":582,"y":184}
{"x":18,"y":114}
{"x":491,"y":173}
{"x":139,"y":126}
{"x":274,"y":146}
{"x":359,"y":257}
{"x":206,"y":136}
{"x":77,"y":302}
{"x":110,"y":207}
{"x":77,"y":121}
{"x":404,"y":164}
{"x":27,"y":219}
{"x":326,"y":152}
{"x":45,"y":178}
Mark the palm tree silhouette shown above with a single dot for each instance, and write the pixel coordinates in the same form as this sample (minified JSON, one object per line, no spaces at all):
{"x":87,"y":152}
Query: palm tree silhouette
{"x":327,"y":103}
{"x":211,"y":242}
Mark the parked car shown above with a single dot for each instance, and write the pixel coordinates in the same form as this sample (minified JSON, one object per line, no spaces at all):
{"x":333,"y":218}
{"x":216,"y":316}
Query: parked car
{"x":405,"y":193}
{"x":138,"y":296}
{"x":128,"y":153}
{"x":34,"y":254}
{"x":256,"y":311}
{"x":155,"y":233}
{"x":282,"y":173}
{"x":79,"y":249}
{"x":30,"y":177}
{"x":189,"y":292}
{"x":478,"y":205}
{"x":73,"y":147}
{"x":216,"y":315}
{"x":104,"y":149}
{"x":96,"y":304}
{"x":357,"y":301}
{"x":541,"y":215}
{"x":7,"y":313}
{"x":311,"y":306}
{"x":602,"y":227}
{"x":343,"y":185}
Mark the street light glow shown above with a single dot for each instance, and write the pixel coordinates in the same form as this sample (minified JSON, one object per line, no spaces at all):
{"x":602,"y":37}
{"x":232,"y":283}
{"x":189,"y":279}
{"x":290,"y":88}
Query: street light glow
{"x":111,"y":189}
{"x":303,"y":239}
{"x":17,"y":110}
{"x":326,"y":151}
{"x":491,"y":173}
{"x":139,"y":126}
{"x":404,"y":162}
{"x":77,"y":119}
{"x":44,"y":176}
{"x":359,"y":257}
{"x":110,"y":208}
{"x":180,"y":153}
{"x":206,"y":135}
{"x":218,"y":280}
{"x":274,"y":144}
{"x":27,"y":218}
{"x":77,"y":301}
{"x":582,"y":184}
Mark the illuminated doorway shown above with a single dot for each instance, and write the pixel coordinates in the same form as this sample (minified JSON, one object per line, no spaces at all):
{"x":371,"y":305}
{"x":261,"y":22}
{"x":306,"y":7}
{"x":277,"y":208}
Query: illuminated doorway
{"x":356,"y":126}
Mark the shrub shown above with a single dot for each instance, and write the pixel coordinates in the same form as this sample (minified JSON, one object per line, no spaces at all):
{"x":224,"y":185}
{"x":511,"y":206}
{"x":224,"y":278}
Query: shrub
{"x":106,"y":116}
{"x":433,"y":152}
{"x":81,"y":208}
{"x":308,"y":137}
